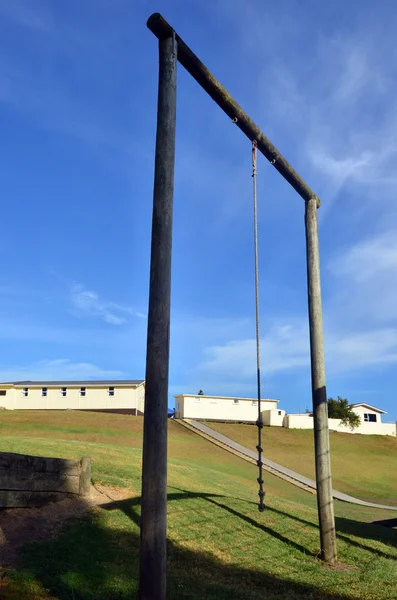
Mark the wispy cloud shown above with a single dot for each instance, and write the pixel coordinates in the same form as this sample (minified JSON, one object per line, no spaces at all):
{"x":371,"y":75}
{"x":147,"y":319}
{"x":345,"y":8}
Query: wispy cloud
{"x":285,"y":348}
{"x":61,"y":368}
{"x":88,"y":303}
{"x":360,"y":323}
{"x":363,"y":275}
{"x":374,"y":256}
{"x":333,"y":106}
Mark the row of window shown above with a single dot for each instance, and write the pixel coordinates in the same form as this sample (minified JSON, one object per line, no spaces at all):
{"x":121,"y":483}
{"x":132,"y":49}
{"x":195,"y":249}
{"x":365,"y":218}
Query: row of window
{"x":63,"y":392}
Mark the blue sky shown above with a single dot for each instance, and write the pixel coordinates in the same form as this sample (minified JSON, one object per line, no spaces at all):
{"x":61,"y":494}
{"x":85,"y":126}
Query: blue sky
{"x":78,"y":84}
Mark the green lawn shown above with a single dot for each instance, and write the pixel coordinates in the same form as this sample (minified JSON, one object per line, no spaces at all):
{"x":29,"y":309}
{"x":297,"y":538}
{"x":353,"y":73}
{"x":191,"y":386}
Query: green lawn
{"x":219,"y":545}
{"x":364,"y":466}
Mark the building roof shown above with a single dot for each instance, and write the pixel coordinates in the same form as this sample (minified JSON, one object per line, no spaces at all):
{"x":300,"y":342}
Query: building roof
{"x":84,"y":383}
{"x":379,"y":410}
{"x":227,"y":397}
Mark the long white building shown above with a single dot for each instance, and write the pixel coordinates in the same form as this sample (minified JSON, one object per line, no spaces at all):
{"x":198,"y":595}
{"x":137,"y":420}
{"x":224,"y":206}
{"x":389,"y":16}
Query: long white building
{"x":122,"y":396}
{"x":227,"y":408}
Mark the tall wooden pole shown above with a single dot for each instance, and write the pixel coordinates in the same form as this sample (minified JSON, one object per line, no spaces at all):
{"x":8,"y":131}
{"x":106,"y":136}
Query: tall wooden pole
{"x":320,"y":410}
{"x":152,"y":582}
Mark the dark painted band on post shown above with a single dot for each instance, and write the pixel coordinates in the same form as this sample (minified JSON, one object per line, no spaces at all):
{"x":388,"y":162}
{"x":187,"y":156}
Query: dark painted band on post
{"x":162,"y":30}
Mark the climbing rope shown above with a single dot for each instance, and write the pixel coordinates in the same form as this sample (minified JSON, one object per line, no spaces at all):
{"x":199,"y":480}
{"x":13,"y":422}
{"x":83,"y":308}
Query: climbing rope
{"x":259,"y":422}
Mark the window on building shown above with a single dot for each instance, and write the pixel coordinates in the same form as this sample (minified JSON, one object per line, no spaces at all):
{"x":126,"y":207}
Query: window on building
{"x":111,"y":391}
{"x":254,"y":403}
{"x":280,"y":413}
{"x":370,"y":417}
{"x":64,"y":392}
{"x":197,"y":399}
{"x":44,"y":392}
{"x":25,"y":392}
{"x":235,"y":401}
{"x":83,"y":392}
{"x":3,"y":392}
{"x":177,"y":405}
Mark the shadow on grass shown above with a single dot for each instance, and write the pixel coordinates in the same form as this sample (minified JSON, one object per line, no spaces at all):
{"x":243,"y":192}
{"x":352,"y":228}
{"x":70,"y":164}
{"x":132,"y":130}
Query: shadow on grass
{"x":93,"y":559}
{"x":127,"y":506}
{"x":370,"y":531}
{"x":386,"y":522}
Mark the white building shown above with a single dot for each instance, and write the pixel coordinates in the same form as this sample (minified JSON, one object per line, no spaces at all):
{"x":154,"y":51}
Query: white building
{"x":245,"y":410}
{"x":122,"y":396}
{"x":371,"y":421}
{"x":227,"y":408}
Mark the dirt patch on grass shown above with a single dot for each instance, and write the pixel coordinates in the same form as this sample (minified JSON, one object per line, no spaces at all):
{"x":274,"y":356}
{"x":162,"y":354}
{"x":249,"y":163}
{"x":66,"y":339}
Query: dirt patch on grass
{"x":19,"y":526}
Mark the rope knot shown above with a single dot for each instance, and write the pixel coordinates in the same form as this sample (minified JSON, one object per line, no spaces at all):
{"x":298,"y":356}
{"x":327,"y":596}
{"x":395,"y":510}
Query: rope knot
{"x":254,"y":148}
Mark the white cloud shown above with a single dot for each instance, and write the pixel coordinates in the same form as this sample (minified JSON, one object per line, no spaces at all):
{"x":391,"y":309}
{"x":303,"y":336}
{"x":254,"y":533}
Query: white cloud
{"x":340,"y":169}
{"x":363,"y":276}
{"x":360,"y":322}
{"x":286,"y":348}
{"x":87,"y":302}
{"x":357,"y":350}
{"x":140,"y":315}
{"x":61,"y":368}
{"x":375,"y":256}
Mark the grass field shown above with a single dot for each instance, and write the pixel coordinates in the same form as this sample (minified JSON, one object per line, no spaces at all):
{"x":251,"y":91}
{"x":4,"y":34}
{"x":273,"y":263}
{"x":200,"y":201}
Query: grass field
{"x":219,"y":546}
{"x":362,"y":465}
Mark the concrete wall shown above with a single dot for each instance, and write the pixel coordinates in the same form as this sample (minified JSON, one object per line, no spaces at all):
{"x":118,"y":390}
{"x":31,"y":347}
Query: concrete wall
{"x":273,"y":418}
{"x":304,"y":421}
{"x":97,"y":397}
{"x":217,"y":408}
{"x":34,"y":480}
{"x":299,"y":421}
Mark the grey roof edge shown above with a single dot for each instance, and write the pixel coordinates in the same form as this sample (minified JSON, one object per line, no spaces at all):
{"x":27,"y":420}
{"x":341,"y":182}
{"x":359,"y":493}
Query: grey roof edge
{"x":380,"y":410}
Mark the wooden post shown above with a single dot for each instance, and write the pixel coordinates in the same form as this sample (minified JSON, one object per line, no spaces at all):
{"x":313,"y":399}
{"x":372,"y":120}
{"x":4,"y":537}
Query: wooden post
{"x":152,"y":582}
{"x":320,"y":410}
{"x":85,"y":476}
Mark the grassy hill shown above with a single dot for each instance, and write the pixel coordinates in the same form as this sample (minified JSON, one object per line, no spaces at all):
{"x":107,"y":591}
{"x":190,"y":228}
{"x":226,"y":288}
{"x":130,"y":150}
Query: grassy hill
{"x":220,"y":547}
{"x":362,"y":465}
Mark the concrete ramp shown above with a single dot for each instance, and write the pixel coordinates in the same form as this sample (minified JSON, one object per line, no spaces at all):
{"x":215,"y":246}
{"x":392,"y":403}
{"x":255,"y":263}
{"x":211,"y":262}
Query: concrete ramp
{"x":301,"y":481}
